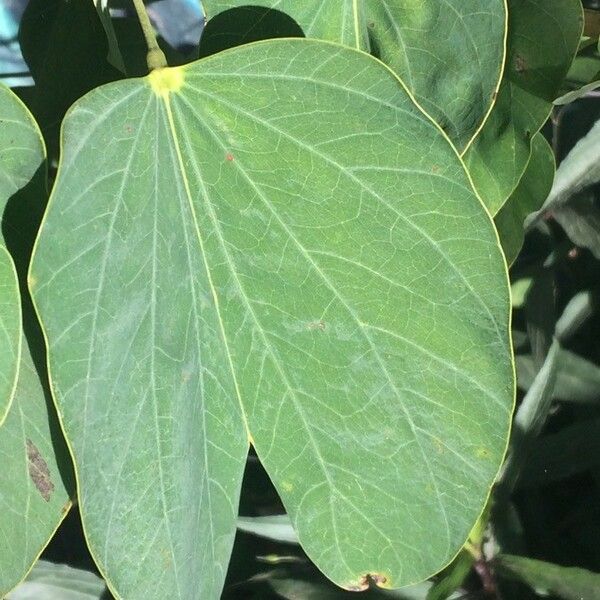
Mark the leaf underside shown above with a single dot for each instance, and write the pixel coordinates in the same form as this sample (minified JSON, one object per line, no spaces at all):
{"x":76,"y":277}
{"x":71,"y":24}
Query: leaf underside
{"x":279,"y":246}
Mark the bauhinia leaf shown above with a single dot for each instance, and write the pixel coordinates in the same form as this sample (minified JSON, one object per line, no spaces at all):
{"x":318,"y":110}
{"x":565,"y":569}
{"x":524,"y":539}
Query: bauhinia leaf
{"x":542,"y":40}
{"x":527,"y":198}
{"x":276,"y":245}
{"x":35,"y":467}
{"x":10,"y":331}
{"x":449,"y":54}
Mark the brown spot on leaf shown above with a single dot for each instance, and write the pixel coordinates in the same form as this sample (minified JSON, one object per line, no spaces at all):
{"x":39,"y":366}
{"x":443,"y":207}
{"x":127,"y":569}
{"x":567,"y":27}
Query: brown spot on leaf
{"x":360,"y":586}
{"x":39,"y":472}
{"x":380,"y":580}
{"x":573,"y":253}
{"x":320,"y":325}
{"x":229,"y":157}
{"x":520,"y":64}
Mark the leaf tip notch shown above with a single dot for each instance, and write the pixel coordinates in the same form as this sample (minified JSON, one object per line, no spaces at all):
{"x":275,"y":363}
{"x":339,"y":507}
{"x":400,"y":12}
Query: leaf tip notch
{"x":166,"y":80}
{"x":365,"y":581}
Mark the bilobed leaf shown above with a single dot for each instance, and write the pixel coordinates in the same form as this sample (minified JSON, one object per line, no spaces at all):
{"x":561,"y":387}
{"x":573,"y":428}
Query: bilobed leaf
{"x":10,"y":331}
{"x":542,"y":39}
{"x":275,"y":245}
{"x":51,"y":581}
{"x":528,"y":197}
{"x":449,"y":54}
{"x":35,"y":466}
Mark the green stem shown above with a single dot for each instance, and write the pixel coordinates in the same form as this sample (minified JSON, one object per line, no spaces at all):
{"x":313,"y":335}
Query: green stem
{"x":155,"y":57}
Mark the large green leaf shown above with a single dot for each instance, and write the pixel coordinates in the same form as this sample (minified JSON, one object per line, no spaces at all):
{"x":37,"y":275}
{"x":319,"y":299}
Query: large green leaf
{"x":10,"y":331}
{"x":274,"y":244}
{"x":449,"y":54}
{"x":542,"y":40}
{"x":35,"y":467}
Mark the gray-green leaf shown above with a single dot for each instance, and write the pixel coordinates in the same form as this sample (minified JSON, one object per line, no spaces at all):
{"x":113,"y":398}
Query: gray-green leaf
{"x":276,"y":245}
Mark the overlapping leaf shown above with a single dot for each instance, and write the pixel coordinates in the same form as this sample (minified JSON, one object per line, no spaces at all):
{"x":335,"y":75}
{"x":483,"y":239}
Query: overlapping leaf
{"x":35,"y":467}
{"x":527,"y":198}
{"x":449,"y":54}
{"x":10,"y":331}
{"x":542,"y":41}
{"x":272,"y":244}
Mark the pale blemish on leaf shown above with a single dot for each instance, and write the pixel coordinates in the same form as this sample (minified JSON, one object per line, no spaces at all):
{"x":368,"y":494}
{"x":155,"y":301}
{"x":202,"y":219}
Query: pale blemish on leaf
{"x":482,"y":453}
{"x":167,"y":80}
{"x":39,"y":472}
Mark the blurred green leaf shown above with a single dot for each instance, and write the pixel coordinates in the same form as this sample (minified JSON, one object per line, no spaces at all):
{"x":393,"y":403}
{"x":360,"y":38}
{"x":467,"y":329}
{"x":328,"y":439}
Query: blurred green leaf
{"x":578,"y":170}
{"x":576,"y":94}
{"x":11,"y":333}
{"x":546,"y":578}
{"x":114,"y":54}
{"x":519,"y":290}
{"x":528,"y":196}
{"x":50,"y":581}
{"x":530,"y":417}
{"x":577,"y":380}
{"x":275,"y":527}
{"x":540,"y":51}
{"x":580,"y":219}
{"x":577,"y":311}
